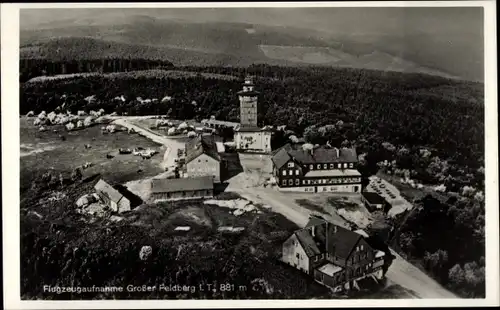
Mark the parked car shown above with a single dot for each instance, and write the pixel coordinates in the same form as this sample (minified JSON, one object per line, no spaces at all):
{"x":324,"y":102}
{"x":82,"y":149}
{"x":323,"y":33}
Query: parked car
{"x":125,"y":151}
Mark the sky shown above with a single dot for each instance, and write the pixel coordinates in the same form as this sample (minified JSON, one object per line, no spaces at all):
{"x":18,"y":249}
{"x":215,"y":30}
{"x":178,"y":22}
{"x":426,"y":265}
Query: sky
{"x":334,"y":20}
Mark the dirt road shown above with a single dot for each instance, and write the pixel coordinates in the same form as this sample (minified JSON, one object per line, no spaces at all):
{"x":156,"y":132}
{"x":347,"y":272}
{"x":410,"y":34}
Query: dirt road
{"x":401,"y":272}
{"x":171,"y":144}
{"x":405,"y":274}
{"x":247,"y":185}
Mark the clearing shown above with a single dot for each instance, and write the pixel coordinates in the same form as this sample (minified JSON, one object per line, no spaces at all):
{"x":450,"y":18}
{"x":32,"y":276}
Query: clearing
{"x":46,"y":151}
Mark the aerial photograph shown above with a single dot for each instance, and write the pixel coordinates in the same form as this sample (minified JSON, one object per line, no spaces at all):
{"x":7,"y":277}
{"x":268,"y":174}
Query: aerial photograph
{"x":252,"y":153}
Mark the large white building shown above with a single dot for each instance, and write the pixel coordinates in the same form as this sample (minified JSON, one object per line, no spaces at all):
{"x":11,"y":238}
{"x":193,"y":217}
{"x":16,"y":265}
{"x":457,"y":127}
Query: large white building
{"x":316,"y":170}
{"x":248,"y":136}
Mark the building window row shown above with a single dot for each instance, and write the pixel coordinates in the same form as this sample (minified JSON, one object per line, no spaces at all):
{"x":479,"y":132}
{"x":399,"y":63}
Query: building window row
{"x":331,"y":166}
{"x":331,"y":181}
{"x":290,"y":172}
{"x":291,"y":182}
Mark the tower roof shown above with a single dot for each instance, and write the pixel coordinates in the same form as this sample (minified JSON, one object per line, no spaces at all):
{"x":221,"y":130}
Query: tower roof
{"x":248,"y":93}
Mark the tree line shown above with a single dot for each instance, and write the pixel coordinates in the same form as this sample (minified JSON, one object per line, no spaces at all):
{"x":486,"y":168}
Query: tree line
{"x":373,"y":105}
{"x":32,"y":67}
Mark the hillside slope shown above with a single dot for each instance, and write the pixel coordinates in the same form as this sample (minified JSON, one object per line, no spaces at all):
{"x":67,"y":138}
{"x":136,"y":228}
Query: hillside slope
{"x":79,"y":48}
{"x":207,"y":44}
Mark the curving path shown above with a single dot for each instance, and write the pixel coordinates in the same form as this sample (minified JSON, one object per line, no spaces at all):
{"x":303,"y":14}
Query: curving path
{"x":400,"y":272}
{"x":171,"y":144}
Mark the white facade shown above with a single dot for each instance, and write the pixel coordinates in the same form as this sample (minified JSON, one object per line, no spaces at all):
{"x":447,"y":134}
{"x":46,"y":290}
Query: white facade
{"x":113,"y":206}
{"x":349,"y":188}
{"x":259,"y":141}
{"x":306,"y":189}
{"x":204,"y":165}
{"x":294,"y":254}
{"x":123,"y":205}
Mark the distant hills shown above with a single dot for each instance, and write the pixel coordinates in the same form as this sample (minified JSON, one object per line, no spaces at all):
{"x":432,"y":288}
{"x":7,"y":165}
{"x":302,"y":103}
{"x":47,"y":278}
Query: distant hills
{"x":206,"y":44}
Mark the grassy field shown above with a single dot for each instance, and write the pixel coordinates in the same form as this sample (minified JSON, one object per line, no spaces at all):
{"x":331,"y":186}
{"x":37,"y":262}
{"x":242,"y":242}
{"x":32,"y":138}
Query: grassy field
{"x":45,"y":151}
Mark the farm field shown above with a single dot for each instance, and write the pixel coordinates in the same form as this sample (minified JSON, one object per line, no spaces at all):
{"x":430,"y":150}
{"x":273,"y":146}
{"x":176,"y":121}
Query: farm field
{"x":45,"y":151}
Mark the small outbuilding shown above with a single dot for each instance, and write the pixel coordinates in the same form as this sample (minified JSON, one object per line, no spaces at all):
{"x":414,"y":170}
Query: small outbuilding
{"x":373,"y":201}
{"x":112,"y":197}
{"x":182,"y":189}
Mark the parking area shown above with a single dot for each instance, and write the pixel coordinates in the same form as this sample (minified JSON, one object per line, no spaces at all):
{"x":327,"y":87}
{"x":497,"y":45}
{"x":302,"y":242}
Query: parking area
{"x":390,"y":193}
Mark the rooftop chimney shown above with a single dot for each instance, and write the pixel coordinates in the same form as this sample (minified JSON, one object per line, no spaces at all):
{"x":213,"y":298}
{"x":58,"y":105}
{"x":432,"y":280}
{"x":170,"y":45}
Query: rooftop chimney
{"x":337,"y":152}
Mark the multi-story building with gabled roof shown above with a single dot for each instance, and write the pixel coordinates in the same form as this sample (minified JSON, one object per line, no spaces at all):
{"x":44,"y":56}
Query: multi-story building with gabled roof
{"x":333,"y":255}
{"x":317,"y":169}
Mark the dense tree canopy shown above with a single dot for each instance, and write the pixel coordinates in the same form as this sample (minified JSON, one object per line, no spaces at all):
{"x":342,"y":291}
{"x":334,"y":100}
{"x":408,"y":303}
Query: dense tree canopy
{"x":448,"y":237}
{"x":405,"y":109}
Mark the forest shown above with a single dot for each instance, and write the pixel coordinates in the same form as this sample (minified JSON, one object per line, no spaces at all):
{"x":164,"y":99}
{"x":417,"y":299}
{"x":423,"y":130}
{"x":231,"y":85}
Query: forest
{"x":404,"y":109}
{"x":427,"y":128}
{"x":455,"y":256}
{"x":33,"y":67}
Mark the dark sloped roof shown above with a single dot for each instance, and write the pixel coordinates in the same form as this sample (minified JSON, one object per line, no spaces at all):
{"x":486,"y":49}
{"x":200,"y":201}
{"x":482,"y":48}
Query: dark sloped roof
{"x":199,"y":145}
{"x":374,"y":198}
{"x":248,"y":93}
{"x":313,"y":221}
{"x":307,"y":242}
{"x":280,"y":158}
{"x":108,"y":190}
{"x":182,"y":184}
{"x":344,"y":241}
{"x":320,"y":155}
{"x":341,"y":241}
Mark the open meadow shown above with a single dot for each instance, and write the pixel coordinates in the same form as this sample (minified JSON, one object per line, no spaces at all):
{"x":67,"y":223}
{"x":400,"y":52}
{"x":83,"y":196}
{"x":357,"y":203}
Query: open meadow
{"x":46,"y":151}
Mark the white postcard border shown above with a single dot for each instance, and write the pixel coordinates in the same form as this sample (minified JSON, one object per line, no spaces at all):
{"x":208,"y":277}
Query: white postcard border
{"x":11,"y":166}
